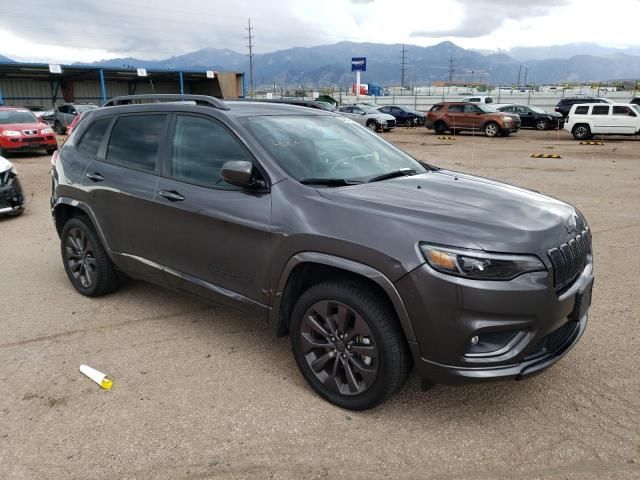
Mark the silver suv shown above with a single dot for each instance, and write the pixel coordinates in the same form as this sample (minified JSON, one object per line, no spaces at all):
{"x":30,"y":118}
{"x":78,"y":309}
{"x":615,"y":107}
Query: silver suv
{"x":369,"y":117}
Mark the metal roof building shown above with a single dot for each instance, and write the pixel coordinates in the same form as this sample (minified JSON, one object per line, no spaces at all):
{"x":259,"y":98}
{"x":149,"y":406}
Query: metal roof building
{"x":31,"y":84}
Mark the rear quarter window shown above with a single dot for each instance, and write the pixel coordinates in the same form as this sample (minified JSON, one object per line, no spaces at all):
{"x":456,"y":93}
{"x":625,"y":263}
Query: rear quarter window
{"x":91,"y":139}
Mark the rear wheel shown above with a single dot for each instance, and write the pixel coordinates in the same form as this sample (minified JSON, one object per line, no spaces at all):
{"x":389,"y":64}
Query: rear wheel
{"x":439,"y":128}
{"x":581,"y":132}
{"x":87,"y":264}
{"x":348,"y":344}
{"x":408,"y":122}
{"x":491,"y":129}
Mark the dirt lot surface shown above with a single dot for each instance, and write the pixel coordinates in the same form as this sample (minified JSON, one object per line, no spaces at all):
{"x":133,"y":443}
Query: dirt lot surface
{"x":201,"y":392}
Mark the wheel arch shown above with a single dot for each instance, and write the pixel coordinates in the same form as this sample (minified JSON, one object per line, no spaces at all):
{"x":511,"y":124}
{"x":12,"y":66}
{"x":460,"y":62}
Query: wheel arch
{"x":66,"y":208}
{"x":308,"y":268}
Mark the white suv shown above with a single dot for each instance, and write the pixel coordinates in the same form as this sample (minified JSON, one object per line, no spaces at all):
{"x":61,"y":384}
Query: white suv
{"x":588,"y":119}
{"x":478,"y":99}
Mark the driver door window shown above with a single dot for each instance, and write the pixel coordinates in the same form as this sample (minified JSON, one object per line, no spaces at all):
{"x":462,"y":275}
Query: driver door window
{"x":200,"y":148}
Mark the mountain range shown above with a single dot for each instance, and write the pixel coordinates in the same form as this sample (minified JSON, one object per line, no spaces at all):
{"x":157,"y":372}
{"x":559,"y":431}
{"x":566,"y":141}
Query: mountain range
{"x":327,"y":65}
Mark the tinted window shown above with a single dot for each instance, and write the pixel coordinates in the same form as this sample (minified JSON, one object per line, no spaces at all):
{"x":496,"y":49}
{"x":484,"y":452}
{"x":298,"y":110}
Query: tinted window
{"x":384,"y":109}
{"x":346,"y":109}
{"x":583,"y":110}
{"x":92,"y":138}
{"x":623,"y":111}
{"x":134,"y":141}
{"x":200,"y":148}
{"x":456,"y":108}
{"x":600,"y":110}
{"x":488,"y":100}
{"x":469,"y":109}
{"x":63,"y":109}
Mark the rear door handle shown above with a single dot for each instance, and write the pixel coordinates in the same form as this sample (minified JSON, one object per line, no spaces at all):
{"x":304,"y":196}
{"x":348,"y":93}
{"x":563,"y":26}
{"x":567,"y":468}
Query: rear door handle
{"x":95,"y":176}
{"x":171,"y":195}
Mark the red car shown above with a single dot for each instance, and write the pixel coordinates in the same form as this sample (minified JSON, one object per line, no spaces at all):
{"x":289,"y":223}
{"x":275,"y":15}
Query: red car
{"x":74,"y":124}
{"x":20,"y":130}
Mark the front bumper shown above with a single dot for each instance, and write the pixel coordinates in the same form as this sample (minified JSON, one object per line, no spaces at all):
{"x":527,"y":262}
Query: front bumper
{"x":11,"y":197}
{"x":448,"y":312}
{"x":24,"y":143}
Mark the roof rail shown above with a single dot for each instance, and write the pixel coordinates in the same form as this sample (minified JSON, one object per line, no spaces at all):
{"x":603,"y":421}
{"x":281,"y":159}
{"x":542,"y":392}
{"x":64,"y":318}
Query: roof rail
{"x":161,"y":97}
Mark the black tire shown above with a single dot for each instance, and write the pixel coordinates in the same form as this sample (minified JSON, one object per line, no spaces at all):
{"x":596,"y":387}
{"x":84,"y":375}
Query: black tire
{"x":491,"y":129}
{"x":408,"y":122}
{"x":542,"y":124}
{"x":581,"y":132}
{"x":373,"y":126}
{"x":51,"y":150}
{"x":439,"y":128}
{"x":505,"y":133}
{"x":80,"y":246}
{"x":369,"y":325}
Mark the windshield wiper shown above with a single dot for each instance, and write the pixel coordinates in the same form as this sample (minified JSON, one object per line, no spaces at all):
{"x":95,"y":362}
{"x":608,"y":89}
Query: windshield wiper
{"x":329,"y":182}
{"x":396,"y":173}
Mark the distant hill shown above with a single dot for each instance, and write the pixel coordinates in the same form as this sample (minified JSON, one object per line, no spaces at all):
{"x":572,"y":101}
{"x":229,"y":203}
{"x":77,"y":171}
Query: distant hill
{"x":330,"y":64}
{"x":567,"y":51}
{"x":5,"y":59}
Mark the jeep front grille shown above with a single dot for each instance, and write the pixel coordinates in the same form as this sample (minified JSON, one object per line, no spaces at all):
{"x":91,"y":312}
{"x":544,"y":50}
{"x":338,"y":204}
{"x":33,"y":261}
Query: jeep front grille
{"x":569,"y":259}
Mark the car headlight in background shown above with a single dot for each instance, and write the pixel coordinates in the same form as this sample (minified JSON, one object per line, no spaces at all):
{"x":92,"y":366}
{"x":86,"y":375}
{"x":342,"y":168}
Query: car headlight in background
{"x":11,"y":133}
{"x":46,"y":131}
{"x":480,"y":265}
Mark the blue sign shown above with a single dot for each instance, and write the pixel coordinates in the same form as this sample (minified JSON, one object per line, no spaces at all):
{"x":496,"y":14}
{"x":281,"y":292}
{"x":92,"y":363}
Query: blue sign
{"x":359,"y":64}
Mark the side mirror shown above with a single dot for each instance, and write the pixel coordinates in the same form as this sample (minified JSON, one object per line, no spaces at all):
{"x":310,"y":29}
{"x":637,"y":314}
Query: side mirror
{"x":240,"y":173}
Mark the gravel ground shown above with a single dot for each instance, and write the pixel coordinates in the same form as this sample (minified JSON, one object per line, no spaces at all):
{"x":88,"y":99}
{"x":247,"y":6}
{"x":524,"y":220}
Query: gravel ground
{"x":201,"y":392}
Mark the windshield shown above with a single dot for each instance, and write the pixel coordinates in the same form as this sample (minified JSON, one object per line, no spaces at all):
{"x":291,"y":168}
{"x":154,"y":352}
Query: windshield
{"x":17,"y":116}
{"x":636,"y":107}
{"x":327,"y":147}
{"x":368,"y":109}
{"x":485,"y":108}
{"x":84,"y":108}
{"x":536,"y":109}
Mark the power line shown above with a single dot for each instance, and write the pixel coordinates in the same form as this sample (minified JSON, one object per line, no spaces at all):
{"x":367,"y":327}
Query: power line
{"x":250,"y":38}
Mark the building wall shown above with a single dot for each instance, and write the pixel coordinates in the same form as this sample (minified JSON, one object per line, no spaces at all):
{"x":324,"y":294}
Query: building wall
{"x":21,"y":92}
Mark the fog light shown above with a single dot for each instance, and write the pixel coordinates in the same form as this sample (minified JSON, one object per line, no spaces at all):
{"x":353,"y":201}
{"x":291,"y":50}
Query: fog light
{"x":475,"y":340}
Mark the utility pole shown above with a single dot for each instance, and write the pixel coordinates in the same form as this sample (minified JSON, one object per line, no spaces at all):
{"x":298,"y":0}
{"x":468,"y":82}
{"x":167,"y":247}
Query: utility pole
{"x":519,"y":73}
{"x":250,"y":38}
{"x":526,"y":70}
{"x":451,"y":70}
{"x":403,"y":67}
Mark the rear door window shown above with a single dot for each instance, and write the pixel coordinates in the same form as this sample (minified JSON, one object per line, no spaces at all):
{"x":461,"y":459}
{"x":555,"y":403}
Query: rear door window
{"x":583,"y":110}
{"x":135,"y":141}
{"x":91,"y":140}
{"x":600,"y":110}
{"x":456,"y":108}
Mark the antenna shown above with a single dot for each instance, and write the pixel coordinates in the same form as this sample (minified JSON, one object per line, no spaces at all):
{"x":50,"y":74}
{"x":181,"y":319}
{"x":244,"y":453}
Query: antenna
{"x":250,"y":38}
{"x":403,"y":67}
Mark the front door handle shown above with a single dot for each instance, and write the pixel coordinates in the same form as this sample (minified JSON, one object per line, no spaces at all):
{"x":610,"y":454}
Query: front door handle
{"x":171,"y":195}
{"x":95,"y":177}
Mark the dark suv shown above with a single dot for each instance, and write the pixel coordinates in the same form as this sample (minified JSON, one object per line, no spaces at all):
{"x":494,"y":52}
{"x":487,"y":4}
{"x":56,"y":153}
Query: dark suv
{"x":565,"y":104}
{"x":371,"y":261}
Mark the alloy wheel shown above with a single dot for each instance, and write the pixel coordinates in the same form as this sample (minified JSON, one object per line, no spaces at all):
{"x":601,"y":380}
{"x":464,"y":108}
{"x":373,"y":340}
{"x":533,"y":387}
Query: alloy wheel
{"x":372,"y":126}
{"x":581,"y":132}
{"x":80,"y":257}
{"x":491,"y":130}
{"x":338,"y":347}
{"x":542,"y":125}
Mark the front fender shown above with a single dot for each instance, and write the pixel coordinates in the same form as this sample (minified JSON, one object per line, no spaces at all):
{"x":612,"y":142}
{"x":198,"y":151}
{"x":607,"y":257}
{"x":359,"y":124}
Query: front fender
{"x":348,"y":265}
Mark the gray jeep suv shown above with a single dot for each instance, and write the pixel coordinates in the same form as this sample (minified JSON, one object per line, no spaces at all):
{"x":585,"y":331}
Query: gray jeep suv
{"x":371,"y":261}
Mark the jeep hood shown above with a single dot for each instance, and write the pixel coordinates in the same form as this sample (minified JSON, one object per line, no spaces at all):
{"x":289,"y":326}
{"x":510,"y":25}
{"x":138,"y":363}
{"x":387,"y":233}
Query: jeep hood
{"x":462,"y":210}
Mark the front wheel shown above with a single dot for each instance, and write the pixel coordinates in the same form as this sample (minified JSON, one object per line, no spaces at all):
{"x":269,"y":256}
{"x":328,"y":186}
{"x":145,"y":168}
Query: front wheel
{"x":491,"y":129}
{"x":439,"y":128}
{"x":372,"y":126}
{"x":581,"y":132}
{"x":542,"y":124}
{"x":348,"y":344}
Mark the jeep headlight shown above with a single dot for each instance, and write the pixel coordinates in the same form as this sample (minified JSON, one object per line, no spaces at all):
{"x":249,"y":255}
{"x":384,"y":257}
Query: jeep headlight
{"x":479,"y":265}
